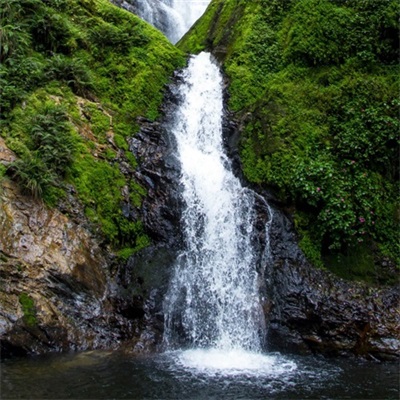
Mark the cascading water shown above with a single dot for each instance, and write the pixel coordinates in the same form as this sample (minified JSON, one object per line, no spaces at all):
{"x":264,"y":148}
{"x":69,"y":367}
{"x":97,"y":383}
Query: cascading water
{"x":213,"y":302}
{"x":173,"y":17}
{"x":213,"y":305}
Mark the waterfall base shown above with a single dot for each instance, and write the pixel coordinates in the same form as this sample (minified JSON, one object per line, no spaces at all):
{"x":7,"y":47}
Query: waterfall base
{"x":232,"y":362}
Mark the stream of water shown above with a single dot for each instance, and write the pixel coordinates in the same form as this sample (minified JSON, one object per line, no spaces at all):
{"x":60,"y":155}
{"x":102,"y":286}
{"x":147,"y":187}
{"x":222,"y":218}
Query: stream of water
{"x":213,"y":300}
{"x":213,"y":308}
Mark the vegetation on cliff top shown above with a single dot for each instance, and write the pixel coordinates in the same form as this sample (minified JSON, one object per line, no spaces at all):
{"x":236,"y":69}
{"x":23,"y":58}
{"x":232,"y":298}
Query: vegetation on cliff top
{"x":315,"y":84}
{"x":74,"y":77}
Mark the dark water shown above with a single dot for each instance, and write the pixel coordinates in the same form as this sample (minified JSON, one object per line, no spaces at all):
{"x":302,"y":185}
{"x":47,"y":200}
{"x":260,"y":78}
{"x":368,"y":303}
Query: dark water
{"x":107,"y":375}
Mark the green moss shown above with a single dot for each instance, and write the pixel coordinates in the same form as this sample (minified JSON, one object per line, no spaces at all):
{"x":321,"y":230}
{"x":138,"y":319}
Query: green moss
{"x":216,"y":28}
{"x":137,"y":192}
{"x":131,"y":158}
{"x":3,"y":171}
{"x":29,"y":309}
{"x":309,"y":242}
{"x":99,"y":122}
{"x":53,"y":195}
{"x":127,"y":252}
{"x":104,"y":67}
{"x":18,"y":147}
{"x":121,"y":142}
{"x":110,"y":154}
{"x":99,"y":187}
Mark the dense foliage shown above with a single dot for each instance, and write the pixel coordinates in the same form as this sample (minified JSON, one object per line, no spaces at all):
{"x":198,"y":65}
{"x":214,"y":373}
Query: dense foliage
{"x":74,"y":77}
{"x":316,"y":84}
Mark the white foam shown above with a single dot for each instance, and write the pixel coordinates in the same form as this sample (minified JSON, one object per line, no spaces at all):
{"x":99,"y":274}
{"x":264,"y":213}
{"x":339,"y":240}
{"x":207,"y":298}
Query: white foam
{"x":233,"y":362}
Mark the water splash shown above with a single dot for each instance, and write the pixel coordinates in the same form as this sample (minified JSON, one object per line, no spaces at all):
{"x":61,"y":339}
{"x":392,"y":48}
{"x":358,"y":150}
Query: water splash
{"x":213,"y":299}
{"x":213,"y":362}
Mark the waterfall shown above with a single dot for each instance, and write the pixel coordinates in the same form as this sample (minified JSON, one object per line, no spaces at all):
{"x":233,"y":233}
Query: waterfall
{"x":213,"y":298}
{"x":172,"y":17}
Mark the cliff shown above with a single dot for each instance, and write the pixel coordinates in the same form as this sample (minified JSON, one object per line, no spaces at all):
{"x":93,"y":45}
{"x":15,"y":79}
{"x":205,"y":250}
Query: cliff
{"x":75,"y":76}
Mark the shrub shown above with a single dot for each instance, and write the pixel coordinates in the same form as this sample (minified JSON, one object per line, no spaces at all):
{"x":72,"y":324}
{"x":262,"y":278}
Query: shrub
{"x":32,"y":175}
{"x":108,"y":35}
{"x":323,"y":32}
{"x":73,"y":71}
{"x":315,"y":33}
{"x":51,"y":32}
{"x":13,"y":40}
{"x":42,"y":137}
{"x":51,"y":134}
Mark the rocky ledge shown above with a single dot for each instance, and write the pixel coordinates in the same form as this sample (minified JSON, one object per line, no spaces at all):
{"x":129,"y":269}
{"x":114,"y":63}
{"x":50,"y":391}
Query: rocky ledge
{"x":53,"y":280}
{"x":313,"y":311}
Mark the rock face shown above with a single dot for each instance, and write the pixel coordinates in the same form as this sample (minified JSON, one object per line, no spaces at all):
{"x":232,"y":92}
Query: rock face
{"x":147,"y":273}
{"x":311,"y":310}
{"x":54,"y":281}
{"x":159,"y":172}
{"x":57,"y":289}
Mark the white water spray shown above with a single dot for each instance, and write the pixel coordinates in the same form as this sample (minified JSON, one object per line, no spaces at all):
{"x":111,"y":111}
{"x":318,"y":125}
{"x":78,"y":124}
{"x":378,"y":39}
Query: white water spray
{"x":173,"y":17}
{"x":213,"y":299}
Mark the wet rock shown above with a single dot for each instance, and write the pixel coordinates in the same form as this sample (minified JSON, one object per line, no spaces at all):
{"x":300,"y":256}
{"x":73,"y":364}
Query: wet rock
{"x":314,"y":311}
{"x":158,"y":172}
{"x":146,"y":275}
